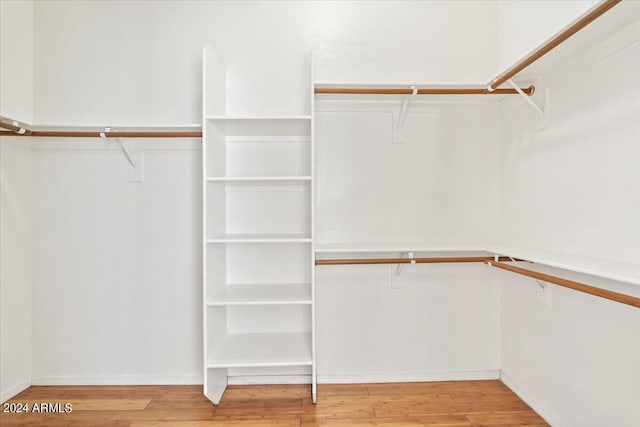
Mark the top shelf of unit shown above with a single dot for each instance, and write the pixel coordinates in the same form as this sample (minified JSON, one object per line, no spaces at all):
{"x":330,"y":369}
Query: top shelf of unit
{"x":262,"y":126}
{"x":626,"y":272}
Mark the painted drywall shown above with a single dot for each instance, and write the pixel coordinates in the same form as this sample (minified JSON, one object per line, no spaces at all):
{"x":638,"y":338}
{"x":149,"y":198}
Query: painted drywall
{"x":16,"y":59}
{"x":16,"y":265}
{"x":571,"y":188}
{"x":442,"y":324}
{"x":525,"y":24}
{"x":139,"y":62}
{"x":16,"y":197}
{"x":117,"y":286}
{"x":431,"y":181}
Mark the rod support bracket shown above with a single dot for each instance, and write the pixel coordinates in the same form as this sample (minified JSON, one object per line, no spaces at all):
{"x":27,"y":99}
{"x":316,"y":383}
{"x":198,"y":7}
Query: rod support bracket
{"x":399,"y":267}
{"x":403,"y":114}
{"x":542,"y":113}
{"x":123,"y":147}
{"x":21,"y":130}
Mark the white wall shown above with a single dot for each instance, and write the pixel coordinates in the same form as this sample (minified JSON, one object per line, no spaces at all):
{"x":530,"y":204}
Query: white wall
{"x":117,"y":286}
{"x":572,"y":188}
{"x":443,"y":324}
{"x":16,"y":196}
{"x":110,"y":62}
{"x":16,"y":59}
{"x":526,"y":24}
{"x":438,"y":188}
{"x":16,"y":265}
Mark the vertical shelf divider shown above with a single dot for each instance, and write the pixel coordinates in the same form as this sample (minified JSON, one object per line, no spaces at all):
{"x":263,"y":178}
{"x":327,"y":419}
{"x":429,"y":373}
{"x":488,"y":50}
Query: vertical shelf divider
{"x":213,"y":102}
{"x":312,"y":102}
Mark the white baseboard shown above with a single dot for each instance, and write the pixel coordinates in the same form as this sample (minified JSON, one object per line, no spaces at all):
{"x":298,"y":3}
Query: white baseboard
{"x":14,"y":390}
{"x":509,"y":382}
{"x":118,"y":380}
{"x":391,"y":377}
{"x":368,"y":377}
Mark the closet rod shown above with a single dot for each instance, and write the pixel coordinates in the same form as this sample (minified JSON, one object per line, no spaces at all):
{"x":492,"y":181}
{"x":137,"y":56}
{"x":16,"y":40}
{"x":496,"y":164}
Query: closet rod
{"x":13,"y":130}
{"x":420,"y":91}
{"x":551,"y":44}
{"x":430,"y":260}
{"x":576,"y":286}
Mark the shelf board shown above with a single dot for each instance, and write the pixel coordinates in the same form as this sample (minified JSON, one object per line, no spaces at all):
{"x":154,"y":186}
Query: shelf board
{"x":260,"y":238}
{"x":267,"y":127}
{"x":260,"y":350}
{"x":599,"y":267}
{"x":254,"y":179}
{"x":262,"y":294}
{"x":258,"y":118}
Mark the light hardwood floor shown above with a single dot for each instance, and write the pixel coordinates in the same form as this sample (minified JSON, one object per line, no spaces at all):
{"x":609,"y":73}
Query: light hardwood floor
{"x":434,"y":404}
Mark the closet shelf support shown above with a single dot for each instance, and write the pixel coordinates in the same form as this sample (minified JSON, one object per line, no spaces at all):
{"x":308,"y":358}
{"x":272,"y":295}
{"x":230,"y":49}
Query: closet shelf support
{"x":405,"y":107}
{"x":123,"y":147}
{"x":411,"y":259}
{"x":524,"y":96}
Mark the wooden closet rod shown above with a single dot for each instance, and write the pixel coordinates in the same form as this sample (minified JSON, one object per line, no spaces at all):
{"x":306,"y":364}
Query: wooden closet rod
{"x":420,"y":91}
{"x":551,"y":44}
{"x":13,"y":130}
{"x":430,"y":260}
{"x":576,"y":286}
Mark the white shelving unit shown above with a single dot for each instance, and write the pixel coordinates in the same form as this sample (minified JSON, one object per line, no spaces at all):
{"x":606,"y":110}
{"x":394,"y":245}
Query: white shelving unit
{"x":258,"y":254}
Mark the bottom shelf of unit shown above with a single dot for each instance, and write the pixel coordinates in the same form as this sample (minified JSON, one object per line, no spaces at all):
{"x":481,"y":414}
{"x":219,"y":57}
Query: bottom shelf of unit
{"x":260,"y":350}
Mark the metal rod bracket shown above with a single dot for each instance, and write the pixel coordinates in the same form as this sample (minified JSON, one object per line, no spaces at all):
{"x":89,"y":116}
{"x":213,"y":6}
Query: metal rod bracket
{"x":403,"y":114}
{"x":123,"y":147}
{"x":543,"y":113}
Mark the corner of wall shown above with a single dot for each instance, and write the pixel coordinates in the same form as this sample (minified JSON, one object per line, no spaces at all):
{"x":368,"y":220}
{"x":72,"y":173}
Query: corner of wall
{"x":17,"y":60}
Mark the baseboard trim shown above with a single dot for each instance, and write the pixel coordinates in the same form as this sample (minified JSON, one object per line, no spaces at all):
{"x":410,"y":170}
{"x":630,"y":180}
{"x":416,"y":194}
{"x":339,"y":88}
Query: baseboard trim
{"x":366,"y":377}
{"x":14,"y":390}
{"x":392,"y":377}
{"x":511,"y":384}
{"x":119,"y":380}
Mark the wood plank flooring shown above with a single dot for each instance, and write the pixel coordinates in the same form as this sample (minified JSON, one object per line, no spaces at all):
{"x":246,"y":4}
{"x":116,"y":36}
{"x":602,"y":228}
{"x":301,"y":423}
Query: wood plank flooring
{"x":433,"y":404}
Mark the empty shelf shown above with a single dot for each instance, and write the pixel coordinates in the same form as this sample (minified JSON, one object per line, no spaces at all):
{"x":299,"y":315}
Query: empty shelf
{"x":260,"y":350}
{"x":262,"y":126}
{"x":260,"y":238}
{"x":254,"y":179}
{"x":262,"y":294}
